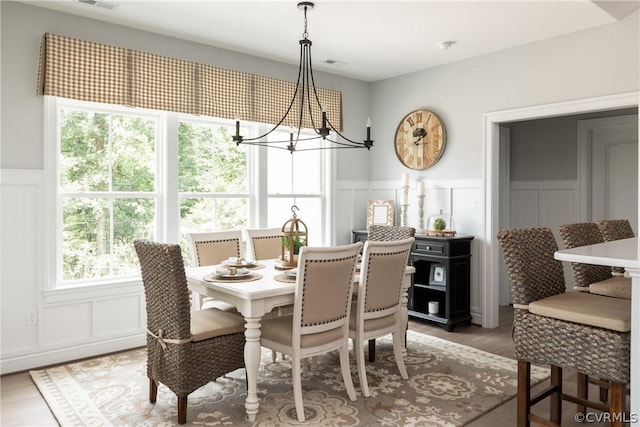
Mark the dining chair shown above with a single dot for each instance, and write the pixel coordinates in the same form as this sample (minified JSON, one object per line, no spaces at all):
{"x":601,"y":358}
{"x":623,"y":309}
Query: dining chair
{"x":264,"y":243}
{"x":211,"y":248}
{"x":384,"y":233}
{"x":376,"y":312}
{"x":615,"y":229}
{"x":320,"y":319}
{"x":596,"y":279}
{"x":567,"y":330}
{"x":185,"y":350}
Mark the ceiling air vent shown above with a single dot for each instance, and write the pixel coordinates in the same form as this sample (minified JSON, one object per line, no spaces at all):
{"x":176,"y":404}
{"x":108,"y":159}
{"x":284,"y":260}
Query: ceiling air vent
{"x":99,"y":3}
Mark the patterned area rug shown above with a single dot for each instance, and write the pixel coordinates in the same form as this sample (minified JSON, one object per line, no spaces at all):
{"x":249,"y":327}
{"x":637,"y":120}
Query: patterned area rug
{"x":449,"y":385}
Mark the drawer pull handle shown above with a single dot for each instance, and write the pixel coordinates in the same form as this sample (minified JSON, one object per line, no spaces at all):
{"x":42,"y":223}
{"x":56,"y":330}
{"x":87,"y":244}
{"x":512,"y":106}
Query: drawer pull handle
{"x":428,"y":248}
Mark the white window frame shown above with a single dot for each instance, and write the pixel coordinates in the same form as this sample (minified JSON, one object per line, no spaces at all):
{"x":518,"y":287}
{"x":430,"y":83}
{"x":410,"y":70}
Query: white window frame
{"x":167,"y":195}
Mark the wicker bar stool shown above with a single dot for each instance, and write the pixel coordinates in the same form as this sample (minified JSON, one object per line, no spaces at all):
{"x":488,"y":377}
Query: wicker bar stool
{"x":596,"y":279}
{"x":184,"y":350}
{"x":572,"y":330}
{"x":615,"y":229}
{"x":385,"y":233}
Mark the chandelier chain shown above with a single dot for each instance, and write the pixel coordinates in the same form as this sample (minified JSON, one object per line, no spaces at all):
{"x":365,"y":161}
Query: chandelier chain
{"x":305,"y":33}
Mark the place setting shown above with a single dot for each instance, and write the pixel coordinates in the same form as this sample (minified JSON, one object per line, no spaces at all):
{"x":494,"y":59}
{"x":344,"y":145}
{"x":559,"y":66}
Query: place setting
{"x":247,"y":263}
{"x":287,"y":276}
{"x":235,"y":270}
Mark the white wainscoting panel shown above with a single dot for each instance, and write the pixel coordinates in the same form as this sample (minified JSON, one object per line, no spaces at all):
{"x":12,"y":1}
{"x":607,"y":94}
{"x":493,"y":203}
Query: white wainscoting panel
{"x":545,"y":204}
{"x":128,"y":320}
{"x":69,"y":323}
{"x":66,"y":324}
{"x":21,"y":262}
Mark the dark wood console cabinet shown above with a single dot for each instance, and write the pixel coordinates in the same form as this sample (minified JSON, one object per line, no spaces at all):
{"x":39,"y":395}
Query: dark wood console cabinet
{"x":443,"y":273}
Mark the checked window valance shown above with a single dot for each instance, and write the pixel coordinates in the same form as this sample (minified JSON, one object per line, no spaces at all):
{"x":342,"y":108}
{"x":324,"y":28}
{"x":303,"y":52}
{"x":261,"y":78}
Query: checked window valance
{"x":96,"y":72}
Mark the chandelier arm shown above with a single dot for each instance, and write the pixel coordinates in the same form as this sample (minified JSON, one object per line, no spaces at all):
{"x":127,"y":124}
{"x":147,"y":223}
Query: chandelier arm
{"x":293,"y":99}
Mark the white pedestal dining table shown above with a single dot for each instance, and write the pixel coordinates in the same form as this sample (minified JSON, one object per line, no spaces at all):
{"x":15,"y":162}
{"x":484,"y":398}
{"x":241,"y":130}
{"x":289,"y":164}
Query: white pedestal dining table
{"x":253,"y":299}
{"x":618,"y":253}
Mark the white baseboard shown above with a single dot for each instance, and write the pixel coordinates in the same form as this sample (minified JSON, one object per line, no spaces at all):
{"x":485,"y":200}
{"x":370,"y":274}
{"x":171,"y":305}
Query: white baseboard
{"x":64,"y":355}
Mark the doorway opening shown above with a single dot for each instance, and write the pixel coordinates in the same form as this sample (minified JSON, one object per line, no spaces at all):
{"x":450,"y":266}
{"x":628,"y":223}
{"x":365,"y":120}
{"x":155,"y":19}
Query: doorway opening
{"x":492,"y":179}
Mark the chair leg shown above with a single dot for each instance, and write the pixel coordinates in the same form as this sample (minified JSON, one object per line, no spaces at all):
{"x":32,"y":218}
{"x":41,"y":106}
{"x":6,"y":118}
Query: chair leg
{"x":182,"y":409}
{"x":617,"y":405}
{"x":524,"y":393}
{"x":555,"y":405}
{"x":297,"y":387}
{"x":346,"y":371}
{"x":397,"y":352}
{"x":604,"y":393}
{"x":358,"y":349}
{"x":372,"y":350}
{"x":582,"y":391}
{"x":153,"y":391}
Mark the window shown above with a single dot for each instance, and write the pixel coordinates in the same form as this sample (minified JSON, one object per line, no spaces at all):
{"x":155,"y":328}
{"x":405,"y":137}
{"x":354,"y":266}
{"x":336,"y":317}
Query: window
{"x":121,"y":173}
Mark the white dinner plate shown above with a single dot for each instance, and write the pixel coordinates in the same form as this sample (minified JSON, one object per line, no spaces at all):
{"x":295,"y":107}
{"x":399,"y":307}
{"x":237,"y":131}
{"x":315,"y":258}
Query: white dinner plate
{"x":241,"y":272}
{"x":246,"y":263}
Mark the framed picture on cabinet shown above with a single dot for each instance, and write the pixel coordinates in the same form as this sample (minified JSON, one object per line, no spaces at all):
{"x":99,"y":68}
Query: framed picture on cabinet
{"x":437,"y":275}
{"x":380,"y":212}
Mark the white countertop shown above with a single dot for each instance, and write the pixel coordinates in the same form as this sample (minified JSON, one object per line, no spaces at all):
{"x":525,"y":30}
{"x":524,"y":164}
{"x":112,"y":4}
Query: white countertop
{"x":619,"y":253}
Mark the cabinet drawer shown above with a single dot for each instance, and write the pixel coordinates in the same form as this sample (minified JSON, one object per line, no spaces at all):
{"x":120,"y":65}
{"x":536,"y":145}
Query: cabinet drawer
{"x":430,"y":248}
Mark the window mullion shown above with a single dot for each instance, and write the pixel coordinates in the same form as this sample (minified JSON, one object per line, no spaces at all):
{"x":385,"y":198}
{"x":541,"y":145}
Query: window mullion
{"x":170,"y":199}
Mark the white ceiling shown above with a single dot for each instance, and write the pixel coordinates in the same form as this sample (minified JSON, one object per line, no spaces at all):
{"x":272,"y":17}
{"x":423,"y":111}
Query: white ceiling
{"x":376,"y":39}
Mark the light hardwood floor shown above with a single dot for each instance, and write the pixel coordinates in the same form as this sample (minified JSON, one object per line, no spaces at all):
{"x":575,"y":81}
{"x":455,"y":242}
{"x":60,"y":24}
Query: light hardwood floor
{"x":22,"y":404}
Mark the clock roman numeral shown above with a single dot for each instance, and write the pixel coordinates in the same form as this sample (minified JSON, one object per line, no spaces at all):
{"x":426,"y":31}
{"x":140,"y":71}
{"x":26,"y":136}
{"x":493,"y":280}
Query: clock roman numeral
{"x":410,"y":121}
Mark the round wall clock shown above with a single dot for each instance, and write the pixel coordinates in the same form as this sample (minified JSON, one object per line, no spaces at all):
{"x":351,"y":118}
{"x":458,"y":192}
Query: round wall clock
{"x":420,"y":139}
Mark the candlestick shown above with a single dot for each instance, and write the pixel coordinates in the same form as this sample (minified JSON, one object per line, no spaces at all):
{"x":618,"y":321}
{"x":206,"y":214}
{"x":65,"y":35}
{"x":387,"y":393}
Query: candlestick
{"x":421,"y":211}
{"x":404,"y":201}
{"x":368,"y":125}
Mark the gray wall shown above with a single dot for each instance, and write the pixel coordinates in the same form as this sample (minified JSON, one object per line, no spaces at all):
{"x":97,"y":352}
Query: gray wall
{"x":546,"y":149}
{"x":590,"y":63}
{"x":22,"y":111}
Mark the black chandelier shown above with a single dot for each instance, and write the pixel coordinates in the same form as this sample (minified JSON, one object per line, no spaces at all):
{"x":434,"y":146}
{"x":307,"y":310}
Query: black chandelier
{"x":306,"y":93}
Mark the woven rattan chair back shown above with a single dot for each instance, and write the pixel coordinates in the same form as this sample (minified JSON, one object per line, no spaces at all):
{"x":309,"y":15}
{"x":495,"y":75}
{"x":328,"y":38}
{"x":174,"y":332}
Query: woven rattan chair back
{"x":532,"y":270}
{"x":615,"y":229}
{"x":165,"y":288}
{"x":390,"y":232}
{"x":583,"y":234}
